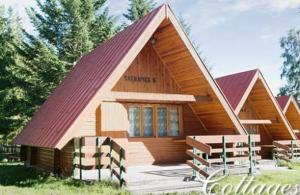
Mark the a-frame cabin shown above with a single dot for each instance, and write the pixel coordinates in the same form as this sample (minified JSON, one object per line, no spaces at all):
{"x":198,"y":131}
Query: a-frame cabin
{"x":146,"y":88}
{"x":256,"y":107}
{"x":290,"y":108}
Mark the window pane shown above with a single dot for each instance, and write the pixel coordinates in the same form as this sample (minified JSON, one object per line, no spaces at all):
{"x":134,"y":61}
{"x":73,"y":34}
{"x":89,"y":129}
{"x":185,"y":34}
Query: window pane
{"x":134,"y":121}
{"x":174,"y":121}
{"x":148,"y":121}
{"x":162,"y":121}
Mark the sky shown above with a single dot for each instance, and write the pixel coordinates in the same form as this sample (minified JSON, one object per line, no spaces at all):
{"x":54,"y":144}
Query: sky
{"x":233,"y":35}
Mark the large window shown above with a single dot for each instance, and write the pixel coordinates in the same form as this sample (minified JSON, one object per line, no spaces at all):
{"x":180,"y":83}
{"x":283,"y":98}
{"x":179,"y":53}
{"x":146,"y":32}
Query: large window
{"x":153,"y":120}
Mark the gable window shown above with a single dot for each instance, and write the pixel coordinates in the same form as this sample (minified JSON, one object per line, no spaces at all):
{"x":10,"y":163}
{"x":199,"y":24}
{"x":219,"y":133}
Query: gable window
{"x":153,"y":120}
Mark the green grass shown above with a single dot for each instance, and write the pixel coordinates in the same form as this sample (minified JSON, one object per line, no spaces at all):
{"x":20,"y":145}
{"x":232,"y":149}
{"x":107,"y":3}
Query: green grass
{"x":291,"y":177}
{"x":17,"y":179}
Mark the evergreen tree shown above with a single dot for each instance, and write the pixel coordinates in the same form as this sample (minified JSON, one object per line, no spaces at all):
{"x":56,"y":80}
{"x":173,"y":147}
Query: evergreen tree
{"x":72,"y":27}
{"x":138,"y":8}
{"x":291,"y":64}
{"x":12,"y":95}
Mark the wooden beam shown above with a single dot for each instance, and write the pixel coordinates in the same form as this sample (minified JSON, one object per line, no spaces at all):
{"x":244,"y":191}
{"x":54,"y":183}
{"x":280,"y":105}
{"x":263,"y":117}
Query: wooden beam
{"x":155,"y":97}
{"x":256,"y":121}
{"x":296,"y":131}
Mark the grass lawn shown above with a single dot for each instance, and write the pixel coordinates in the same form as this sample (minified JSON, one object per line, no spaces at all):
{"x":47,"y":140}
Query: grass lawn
{"x":17,"y":179}
{"x":268,"y":178}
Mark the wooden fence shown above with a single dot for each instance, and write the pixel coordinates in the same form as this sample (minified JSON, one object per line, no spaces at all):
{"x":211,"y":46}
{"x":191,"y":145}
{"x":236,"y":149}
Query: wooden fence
{"x":99,"y":153}
{"x":10,"y":152}
{"x":286,"y":150}
{"x":222,"y":150}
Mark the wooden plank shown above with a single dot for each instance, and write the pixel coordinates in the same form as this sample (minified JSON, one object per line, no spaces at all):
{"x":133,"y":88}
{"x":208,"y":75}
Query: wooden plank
{"x":255,"y":122}
{"x":118,"y":177}
{"x":213,"y":139}
{"x":197,"y":169}
{"x":199,"y":145}
{"x":155,"y":97}
{"x":232,"y":159}
{"x":198,"y":158}
{"x":237,"y":149}
{"x":280,"y":145}
{"x":117,"y":148}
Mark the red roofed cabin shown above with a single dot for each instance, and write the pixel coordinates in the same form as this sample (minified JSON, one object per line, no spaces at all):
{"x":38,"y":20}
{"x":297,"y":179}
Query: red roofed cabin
{"x":256,"y":107}
{"x":146,"y":88}
{"x":290,"y":108}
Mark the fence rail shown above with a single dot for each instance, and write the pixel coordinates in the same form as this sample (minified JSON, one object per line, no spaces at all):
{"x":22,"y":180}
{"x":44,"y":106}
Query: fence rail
{"x":286,"y":150}
{"x":99,"y":153}
{"x":10,"y":152}
{"x":224,"y":150}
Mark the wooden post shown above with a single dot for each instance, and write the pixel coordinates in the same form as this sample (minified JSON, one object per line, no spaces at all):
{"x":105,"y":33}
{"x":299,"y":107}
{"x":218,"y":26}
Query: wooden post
{"x":224,"y":154}
{"x":194,"y":161}
{"x":111,"y":157}
{"x":98,"y":158}
{"x":74,"y":158}
{"x":120,"y":164}
{"x":250,"y":154}
{"x":292,"y":149}
{"x":80,"y":158}
{"x":206,"y":158}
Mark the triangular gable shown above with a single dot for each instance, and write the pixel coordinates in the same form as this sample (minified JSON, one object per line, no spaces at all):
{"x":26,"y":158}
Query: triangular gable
{"x":61,"y":116}
{"x":291,"y":110}
{"x":254,"y":88}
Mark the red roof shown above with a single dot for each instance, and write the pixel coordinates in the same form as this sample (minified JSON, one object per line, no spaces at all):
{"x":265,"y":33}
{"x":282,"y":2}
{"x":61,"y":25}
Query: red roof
{"x":234,"y":86}
{"x":283,"y":100}
{"x":68,"y":100}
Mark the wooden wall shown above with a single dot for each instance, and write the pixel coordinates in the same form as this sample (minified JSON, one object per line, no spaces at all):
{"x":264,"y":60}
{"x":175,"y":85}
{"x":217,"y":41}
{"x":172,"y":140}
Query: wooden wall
{"x":248,"y":112}
{"x":45,"y":158}
{"x":66,"y":159}
{"x":147,"y":65}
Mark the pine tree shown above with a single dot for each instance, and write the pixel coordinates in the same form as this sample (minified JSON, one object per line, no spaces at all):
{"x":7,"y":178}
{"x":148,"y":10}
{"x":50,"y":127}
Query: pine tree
{"x":72,"y":27}
{"x":12,"y":95}
{"x":138,"y":8}
{"x":291,"y":64}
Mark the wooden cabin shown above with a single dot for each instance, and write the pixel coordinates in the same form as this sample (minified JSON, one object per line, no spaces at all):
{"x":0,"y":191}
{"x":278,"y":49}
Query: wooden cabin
{"x":290,"y":108}
{"x":146,"y":88}
{"x":256,"y":107}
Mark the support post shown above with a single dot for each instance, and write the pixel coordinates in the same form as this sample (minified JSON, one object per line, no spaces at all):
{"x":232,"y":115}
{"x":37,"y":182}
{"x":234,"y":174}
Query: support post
{"x":224,"y":154}
{"x":120,"y":164}
{"x":74,"y":158}
{"x":250,"y":155}
{"x":111,"y":157}
{"x":194,"y":161}
{"x":98,"y":158}
{"x":292,"y":148}
{"x":206,"y":158}
{"x":80,"y":158}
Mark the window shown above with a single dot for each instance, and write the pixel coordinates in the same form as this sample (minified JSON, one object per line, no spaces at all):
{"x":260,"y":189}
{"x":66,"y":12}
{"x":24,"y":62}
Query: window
{"x":162,"y":121}
{"x":134,"y":122}
{"x":148,"y":121}
{"x":153,"y":120}
{"x":174,"y":121}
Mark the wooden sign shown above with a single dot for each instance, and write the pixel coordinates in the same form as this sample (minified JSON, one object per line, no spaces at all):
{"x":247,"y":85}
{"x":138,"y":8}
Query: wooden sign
{"x":143,"y":79}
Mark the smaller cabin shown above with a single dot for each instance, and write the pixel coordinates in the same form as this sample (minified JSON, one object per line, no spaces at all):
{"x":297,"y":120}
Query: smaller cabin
{"x":290,"y":108}
{"x":256,"y":107}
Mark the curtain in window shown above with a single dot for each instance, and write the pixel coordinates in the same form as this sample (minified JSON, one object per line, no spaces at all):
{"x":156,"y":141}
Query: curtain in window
{"x":162,"y":121}
{"x":134,"y":121}
{"x":148,"y":121}
{"x":174,"y":121}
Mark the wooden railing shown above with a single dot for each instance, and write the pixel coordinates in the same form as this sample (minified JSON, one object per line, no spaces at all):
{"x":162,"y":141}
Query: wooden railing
{"x":222,"y":150}
{"x":99,"y":153}
{"x":286,"y":150}
{"x":11,"y":152}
